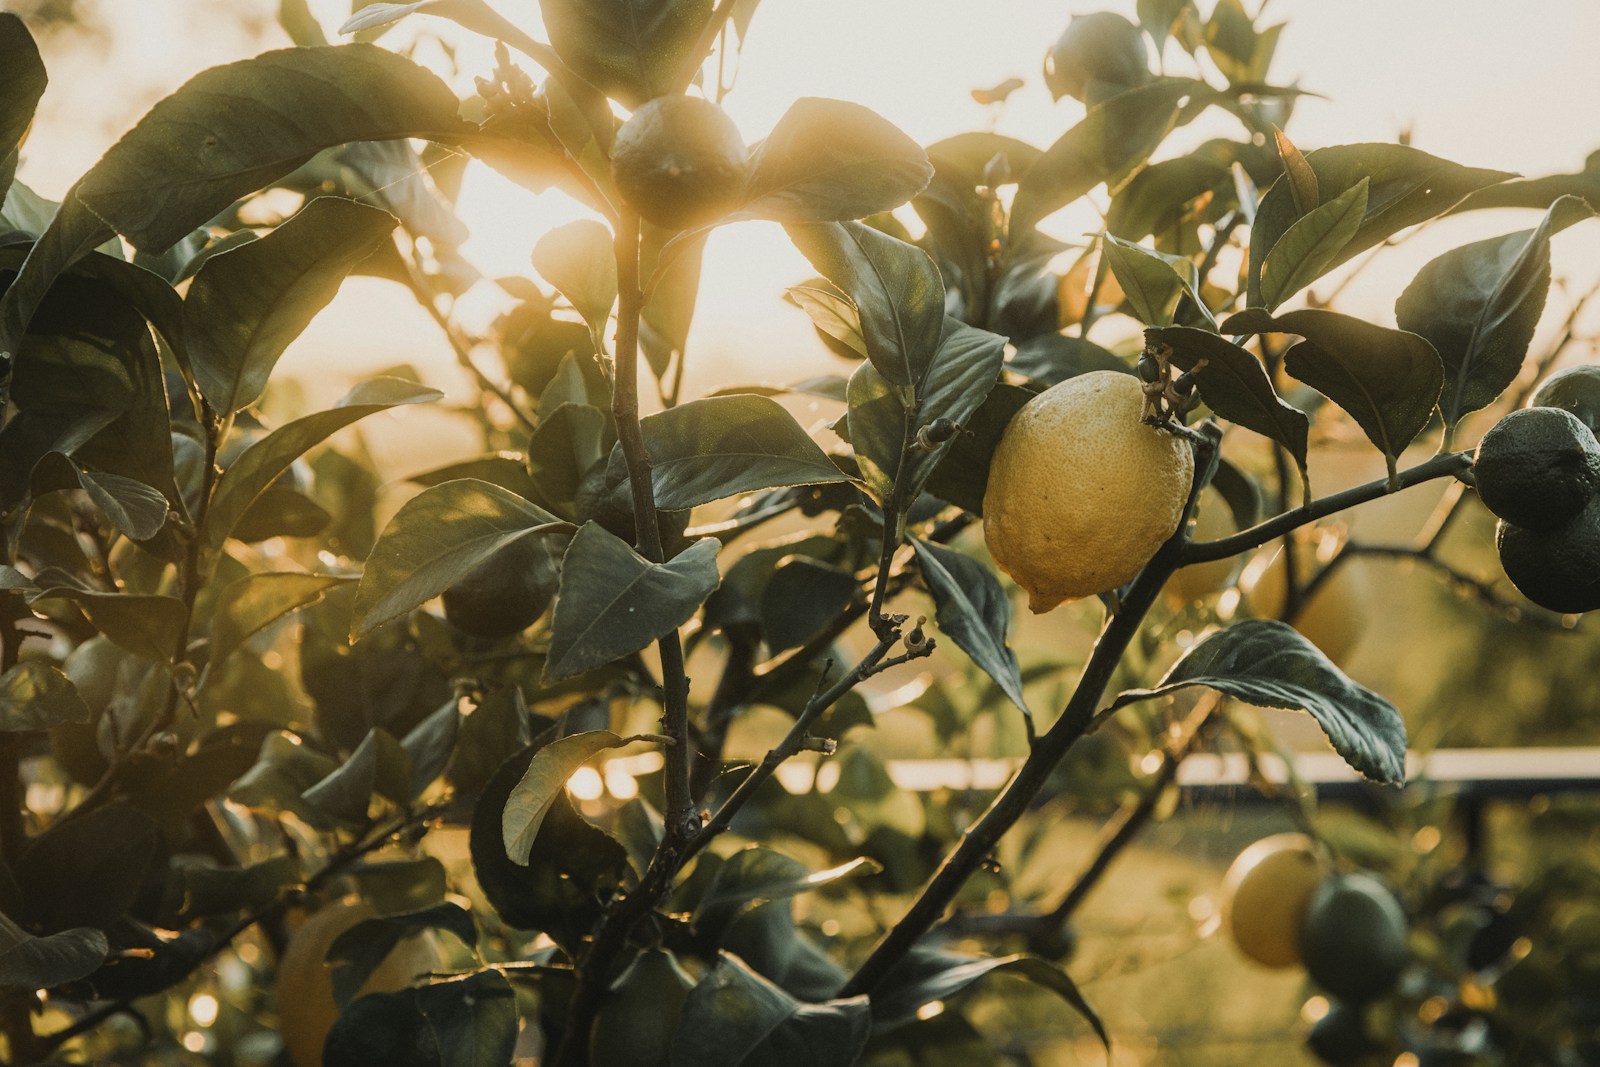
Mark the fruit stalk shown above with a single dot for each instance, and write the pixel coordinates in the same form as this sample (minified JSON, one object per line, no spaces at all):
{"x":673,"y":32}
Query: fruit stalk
{"x":980,"y":839}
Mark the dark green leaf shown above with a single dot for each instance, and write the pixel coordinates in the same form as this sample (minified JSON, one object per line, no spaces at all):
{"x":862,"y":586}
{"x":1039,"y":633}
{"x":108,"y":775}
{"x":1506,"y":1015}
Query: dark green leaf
{"x":1153,"y":282}
{"x":505,"y":469}
{"x":133,"y":507}
{"x":895,"y":287}
{"x":36,"y":696}
{"x":631,"y":50}
{"x":22,"y":82}
{"x":30,"y":963}
{"x":149,"y":626}
{"x":614,"y":602}
{"x":1303,"y":253}
{"x":222,"y":891}
{"x":1109,"y":145}
{"x":260,"y":465}
{"x":573,"y":866}
{"x":758,"y":873}
{"x":1158,"y":17}
{"x":801,"y":598}
{"x":1540,"y":193}
{"x":1405,"y":187}
{"x":832,"y":161}
{"x":437,"y":538}
{"x":963,"y":474}
{"x":1053,"y":358}
{"x":284,"y":770}
{"x":735,"y":1016}
{"x":378,"y":767}
{"x":544,"y":780}
{"x":457,"y":1022}
{"x":927,"y":975}
{"x":566,"y":444}
{"x":832,"y":314}
{"x":281,"y":512}
{"x":251,"y":604}
{"x":1265,"y":662}
{"x":1388,"y":380}
{"x":1478,"y":305}
{"x":664,"y":323}
{"x":499,"y":724}
{"x":975,"y":611}
{"x":727,"y":446}
{"x":88,"y":870}
{"x":578,"y":260}
{"x":246,"y":306}
{"x":1234,"y":384}
{"x":1157,"y":199}
{"x":360,"y":950}
{"x":429,"y":745}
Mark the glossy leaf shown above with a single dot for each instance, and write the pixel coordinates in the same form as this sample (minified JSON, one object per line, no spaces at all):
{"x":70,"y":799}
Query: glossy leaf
{"x":1265,"y":662}
{"x":359,"y":951}
{"x":22,"y":83}
{"x":544,"y":779}
{"x":149,"y":626}
{"x":631,"y":50}
{"x":260,"y":465}
{"x":565,"y":445}
{"x":1304,"y":189}
{"x":468,"y":1021}
{"x":436,"y":539}
{"x":613,"y":602}
{"x":37,"y":696}
{"x":86,"y":871}
{"x":28,"y":963}
{"x":725,"y":446}
{"x":251,"y":604}
{"x":1157,"y":199}
{"x":963,"y":472}
{"x":1152,"y":281}
{"x":1388,"y":380}
{"x":378,"y":767}
{"x":133,"y":507}
{"x":928,"y":975}
{"x":1112,"y":142}
{"x":963,"y":371}
{"x":758,"y":873}
{"x":1405,"y":187}
{"x":734,"y":1016}
{"x":974,"y":611}
{"x":223,"y":134}
{"x":1053,"y":358}
{"x":832,"y":161}
{"x":245,"y":306}
{"x":801,"y":598}
{"x":1478,"y":305}
{"x":1302,"y":254}
{"x":897,"y":291}
{"x":833,"y":315}
{"x":579,"y":261}
{"x":1235,"y":386}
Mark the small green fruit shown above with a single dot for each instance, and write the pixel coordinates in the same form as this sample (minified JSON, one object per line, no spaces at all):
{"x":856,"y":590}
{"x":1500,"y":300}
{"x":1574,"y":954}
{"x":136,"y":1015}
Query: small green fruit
{"x":1557,"y":569}
{"x":507,"y":592}
{"x":680,"y":162}
{"x":1338,"y":1038}
{"x":1576,"y":389}
{"x":1354,"y":938}
{"x":1098,"y":56}
{"x":1538,"y":467}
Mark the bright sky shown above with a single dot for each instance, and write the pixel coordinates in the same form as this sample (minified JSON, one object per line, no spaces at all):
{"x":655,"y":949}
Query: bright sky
{"x":1476,"y":81}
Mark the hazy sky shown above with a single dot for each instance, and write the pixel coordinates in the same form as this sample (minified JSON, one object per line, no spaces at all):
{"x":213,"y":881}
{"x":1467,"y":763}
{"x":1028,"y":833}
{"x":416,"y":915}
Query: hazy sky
{"x":1478,"y":81}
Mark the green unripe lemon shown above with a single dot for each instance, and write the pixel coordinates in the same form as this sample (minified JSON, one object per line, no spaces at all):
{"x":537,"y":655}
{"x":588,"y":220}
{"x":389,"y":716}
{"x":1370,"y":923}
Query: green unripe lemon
{"x":635,"y":1024}
{"x":1557,"y":569}
{"x":1354,"y":938}
{"x":507,"y":592}
{"x":1265,"y":895}
{"x":679,"y":162}
{"x":1576,"y":389}
{"x":1098,"y":55}
{"x":1538,"y":467}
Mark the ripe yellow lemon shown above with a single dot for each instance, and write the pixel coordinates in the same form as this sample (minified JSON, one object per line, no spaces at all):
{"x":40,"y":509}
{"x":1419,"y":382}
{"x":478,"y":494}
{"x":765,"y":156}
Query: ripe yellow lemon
{"x":1212,"y":521}
{"x":1334,"y":616}
{"x":679,"y":162}
{"x":1265,"y":897}
{"x":1081,"y":492}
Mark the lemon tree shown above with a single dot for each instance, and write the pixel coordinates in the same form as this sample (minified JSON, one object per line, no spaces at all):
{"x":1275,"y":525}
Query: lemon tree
{"x":242,"y":667}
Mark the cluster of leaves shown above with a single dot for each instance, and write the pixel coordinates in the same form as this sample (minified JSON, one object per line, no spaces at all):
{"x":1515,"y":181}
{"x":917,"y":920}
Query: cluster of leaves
{"x":234,"y":627}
